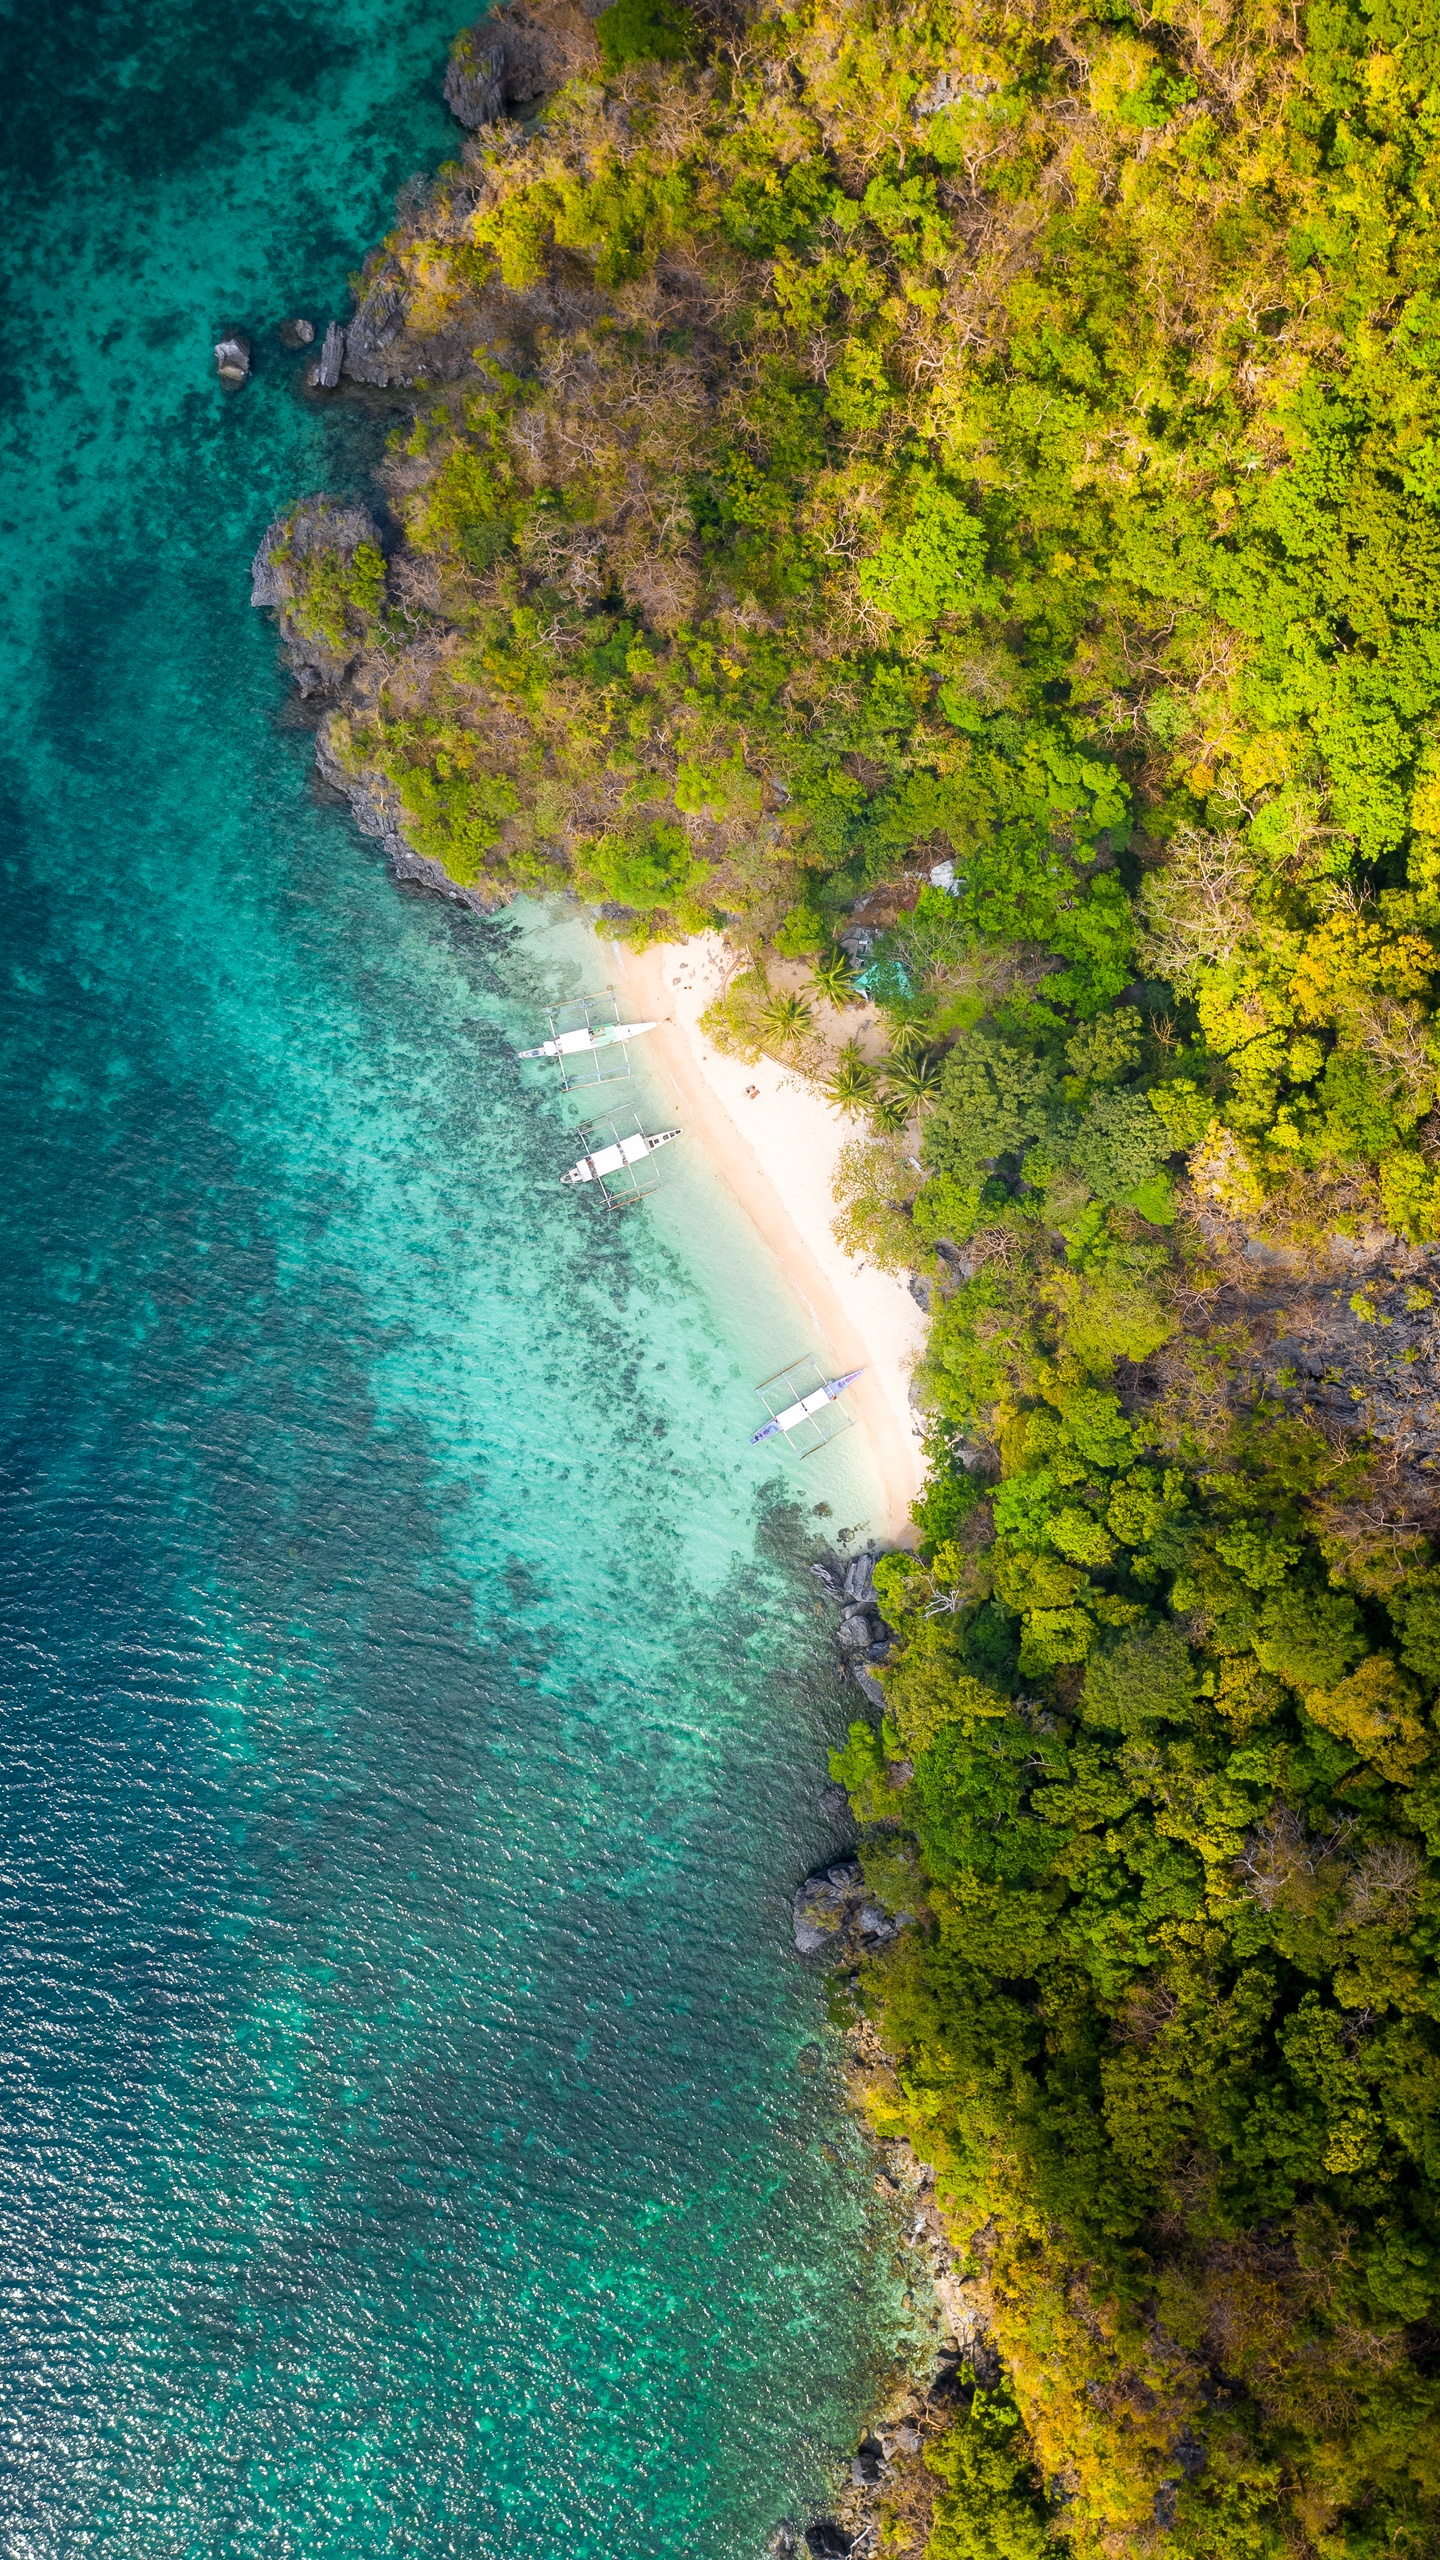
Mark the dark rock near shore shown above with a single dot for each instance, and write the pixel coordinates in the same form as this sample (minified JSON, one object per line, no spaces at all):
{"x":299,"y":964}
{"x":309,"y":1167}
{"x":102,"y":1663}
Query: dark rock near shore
{"x":867,"y":1681}
{"x":860,"y":1579}
{"x":857,"y":1632}
{"x":835,"y":1918}
{"x":833,"y":1802}
{"x":232,"y":358}
{"x":298,"y":332}
{"x":827,"y":2540}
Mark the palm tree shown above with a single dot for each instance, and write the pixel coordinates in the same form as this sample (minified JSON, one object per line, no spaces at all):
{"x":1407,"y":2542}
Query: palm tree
{"x":888,"y":1112}
{"x":787,"y":1019}
{"x":914,"y":1076}
{"x":833,"y":975}
{"x":906,"y":1040}
{"x":851,"y":1082}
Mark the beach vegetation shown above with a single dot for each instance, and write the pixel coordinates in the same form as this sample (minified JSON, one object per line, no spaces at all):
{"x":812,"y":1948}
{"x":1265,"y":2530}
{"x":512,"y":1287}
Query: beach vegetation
{"x":850,"y":1084}
{"x":833,"y":976}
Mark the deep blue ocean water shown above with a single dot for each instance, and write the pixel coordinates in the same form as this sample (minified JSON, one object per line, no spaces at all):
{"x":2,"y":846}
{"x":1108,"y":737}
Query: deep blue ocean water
{"x":415,"y":2133}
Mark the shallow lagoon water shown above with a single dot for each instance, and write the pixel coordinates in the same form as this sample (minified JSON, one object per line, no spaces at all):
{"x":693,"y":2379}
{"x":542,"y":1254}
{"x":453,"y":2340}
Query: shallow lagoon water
{"x":415,"y":2134}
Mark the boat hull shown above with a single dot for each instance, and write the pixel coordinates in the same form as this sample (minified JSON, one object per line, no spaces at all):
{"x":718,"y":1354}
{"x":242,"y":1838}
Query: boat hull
{"x":613,"y":1159}
{"x":579,"y":1044}
{"x":795,"y":1414}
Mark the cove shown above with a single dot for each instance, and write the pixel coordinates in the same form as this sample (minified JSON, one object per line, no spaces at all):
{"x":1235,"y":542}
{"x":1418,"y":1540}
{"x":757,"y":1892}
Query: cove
{"x":415,"y":2133}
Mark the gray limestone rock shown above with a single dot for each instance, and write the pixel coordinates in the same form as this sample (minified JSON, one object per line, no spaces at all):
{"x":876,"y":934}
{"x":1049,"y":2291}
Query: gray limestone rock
{"x":834,"y":1916}
{"x":332,"y":357}
{"x":278,"y":576}
{"x":860,"y":1579}
{"x":475,"y":79}
{"x":232,"y":357}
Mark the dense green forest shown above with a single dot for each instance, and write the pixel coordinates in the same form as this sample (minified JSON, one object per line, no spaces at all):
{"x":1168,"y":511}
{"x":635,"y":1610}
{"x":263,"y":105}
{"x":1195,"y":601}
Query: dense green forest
{"x":1010,"y":436}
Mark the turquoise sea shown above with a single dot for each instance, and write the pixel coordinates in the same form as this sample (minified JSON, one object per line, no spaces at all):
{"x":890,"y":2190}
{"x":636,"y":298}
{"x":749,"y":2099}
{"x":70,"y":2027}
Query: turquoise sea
{"x":416,"y":2135}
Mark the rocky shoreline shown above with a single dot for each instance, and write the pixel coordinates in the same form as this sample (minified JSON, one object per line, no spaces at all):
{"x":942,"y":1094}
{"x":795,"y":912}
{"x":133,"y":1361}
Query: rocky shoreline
{"x":837,"y":1922}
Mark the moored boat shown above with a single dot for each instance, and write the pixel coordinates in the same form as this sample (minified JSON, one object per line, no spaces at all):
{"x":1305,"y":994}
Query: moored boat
{"x":794,"y":1414}
{"x":574,"y":1044}
{"x":607,"y":1160}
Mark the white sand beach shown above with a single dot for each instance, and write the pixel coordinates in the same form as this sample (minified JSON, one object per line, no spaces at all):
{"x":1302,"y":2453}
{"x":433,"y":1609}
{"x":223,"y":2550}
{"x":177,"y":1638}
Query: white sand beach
{"x":777,"y":1147}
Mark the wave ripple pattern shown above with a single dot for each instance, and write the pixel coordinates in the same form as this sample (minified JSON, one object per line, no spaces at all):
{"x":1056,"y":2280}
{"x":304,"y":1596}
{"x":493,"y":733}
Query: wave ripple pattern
{"x":415,"y":2133}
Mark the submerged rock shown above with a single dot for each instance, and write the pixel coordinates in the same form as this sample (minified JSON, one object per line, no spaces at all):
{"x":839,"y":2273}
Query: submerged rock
{"x":297,"y":332}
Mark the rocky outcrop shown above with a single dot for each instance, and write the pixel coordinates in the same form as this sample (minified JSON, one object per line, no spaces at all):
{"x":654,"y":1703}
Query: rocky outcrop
{"x":326,"y":374}
{"x":835,"y":1917}
{"x":232,"y":357}
{"x":863,"y":1636}
{"x":511,"y":60}
{"x":375,"y":808}
{"x":381,"y":348}
{"x":475,"y":78}
{"x":1345,"y":1338}
{"x":277,"y":581}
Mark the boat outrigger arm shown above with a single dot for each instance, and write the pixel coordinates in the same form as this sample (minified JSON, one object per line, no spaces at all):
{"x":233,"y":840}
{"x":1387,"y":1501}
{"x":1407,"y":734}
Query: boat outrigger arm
{"x":571,"y":1044}
{"x":610,"y":1159}
{"x":795,"y":1414}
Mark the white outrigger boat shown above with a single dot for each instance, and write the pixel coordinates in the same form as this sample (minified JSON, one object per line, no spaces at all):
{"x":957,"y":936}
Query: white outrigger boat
{"x":612,"y":1159}
{"x":576,"y":1044}
{"x":792,"y":1415}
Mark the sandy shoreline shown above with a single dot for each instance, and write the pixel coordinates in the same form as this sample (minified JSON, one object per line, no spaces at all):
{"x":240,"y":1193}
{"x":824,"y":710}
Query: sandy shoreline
{"x":777,"y":1153}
